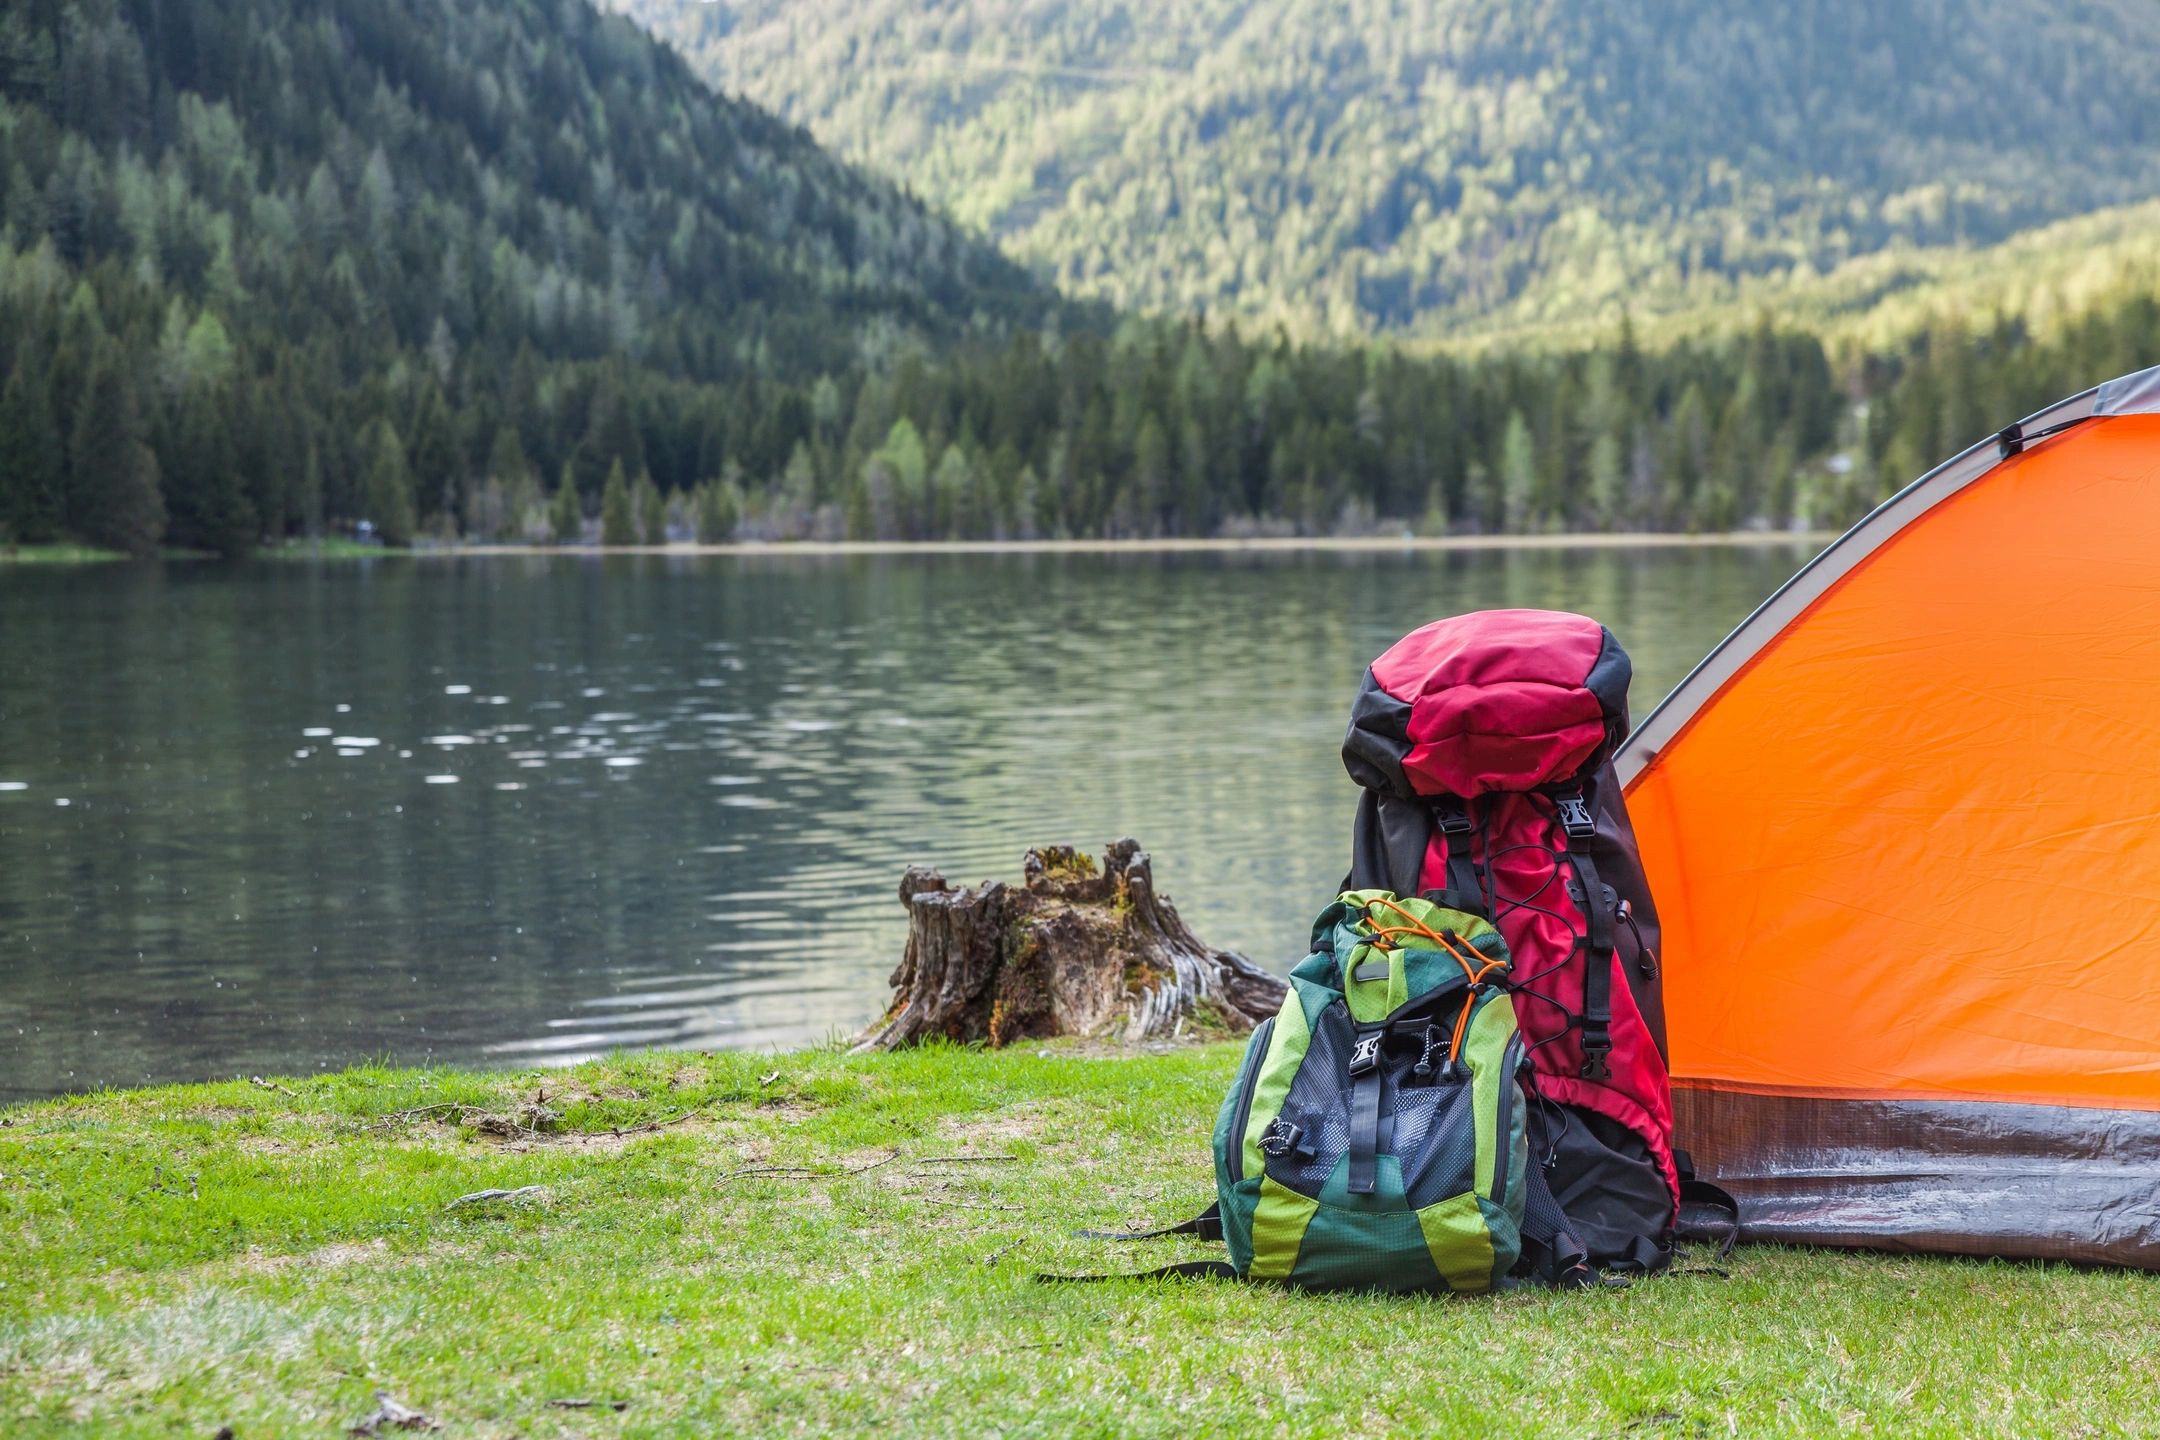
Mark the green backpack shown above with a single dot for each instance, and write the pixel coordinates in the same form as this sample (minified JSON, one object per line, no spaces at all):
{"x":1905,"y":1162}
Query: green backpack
{"x":1375,"y":1136}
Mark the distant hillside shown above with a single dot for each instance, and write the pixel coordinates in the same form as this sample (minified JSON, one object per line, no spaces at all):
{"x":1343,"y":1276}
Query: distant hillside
{"x":284,"y":251}
{"x":1426,"y":165}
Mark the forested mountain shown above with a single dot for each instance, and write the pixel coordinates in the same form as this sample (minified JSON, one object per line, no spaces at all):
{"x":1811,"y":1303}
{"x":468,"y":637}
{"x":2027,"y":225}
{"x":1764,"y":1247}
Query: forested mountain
{"x":1420,"y":165}
{"x":267,"y":262}
{"x":508,"y":271}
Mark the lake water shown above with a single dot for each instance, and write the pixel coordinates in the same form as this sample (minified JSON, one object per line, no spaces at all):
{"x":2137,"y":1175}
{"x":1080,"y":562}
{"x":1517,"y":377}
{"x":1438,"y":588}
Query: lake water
{"x":520,"y":810}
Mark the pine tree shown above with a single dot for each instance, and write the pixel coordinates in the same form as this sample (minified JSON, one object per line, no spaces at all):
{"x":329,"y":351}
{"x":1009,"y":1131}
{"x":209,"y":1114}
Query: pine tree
{"x":506,"y":458}
{"x":1518,"y":473}
{"x":1435,"y":519}
{"x":308,"y":492}
{"x":617,"y":526}
{"x":898,"y":478}
{"x":32,"y":460}
{"x":951,"y":485}
{"x":386,"y":482}
{"x":651,"y":510}
{"x":433,"y":458}
{"x":612,"y":436}
{"x":203,"y":485}
{"x":1151,"y":475}
{"x":1687,"y":458}
{"x":496,"y":500}
{"x":566,"y":515}
{"x":115,"y":475}
{"x":718,"y":510}
{"x":1607,"y":480}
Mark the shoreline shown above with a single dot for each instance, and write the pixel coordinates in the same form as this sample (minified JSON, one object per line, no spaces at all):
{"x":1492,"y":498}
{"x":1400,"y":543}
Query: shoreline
{"x":1293,"y":544}
{"x":59,"y":555}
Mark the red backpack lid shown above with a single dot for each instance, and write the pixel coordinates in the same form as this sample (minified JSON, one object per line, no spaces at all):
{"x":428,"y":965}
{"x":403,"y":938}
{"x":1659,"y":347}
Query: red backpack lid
{"x":1491,"y":701}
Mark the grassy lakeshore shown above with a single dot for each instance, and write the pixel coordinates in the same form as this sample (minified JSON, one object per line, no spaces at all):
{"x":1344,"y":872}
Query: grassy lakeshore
{"x":1216,"y":545}
{"x":812,"y":1244}
{"x":337,"y":549}
{"x":57,"y":555}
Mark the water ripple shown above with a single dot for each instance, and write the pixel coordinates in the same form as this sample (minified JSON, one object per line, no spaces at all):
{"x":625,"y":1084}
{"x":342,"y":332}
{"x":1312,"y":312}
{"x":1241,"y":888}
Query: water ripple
{"x":667,"y":803}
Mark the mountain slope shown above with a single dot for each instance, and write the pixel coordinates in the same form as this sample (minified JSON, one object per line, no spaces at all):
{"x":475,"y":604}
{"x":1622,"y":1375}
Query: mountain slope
{"x":267,"y":224}
{"x":1419,"y":164}
{"x":428,"y":142}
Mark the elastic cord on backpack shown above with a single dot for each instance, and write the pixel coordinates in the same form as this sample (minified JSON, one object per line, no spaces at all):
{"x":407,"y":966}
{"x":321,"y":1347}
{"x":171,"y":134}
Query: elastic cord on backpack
{"x":1474,"y":971}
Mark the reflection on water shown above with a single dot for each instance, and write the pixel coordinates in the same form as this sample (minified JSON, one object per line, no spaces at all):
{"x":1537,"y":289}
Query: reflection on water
{"x":523,"y":810}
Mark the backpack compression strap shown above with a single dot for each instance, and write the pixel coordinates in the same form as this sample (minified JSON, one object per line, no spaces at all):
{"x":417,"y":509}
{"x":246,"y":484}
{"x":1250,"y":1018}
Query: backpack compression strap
{"x":1580,"y":821}
{"x":1207,"y":1225}
{"x":1189,"y":1270}
{"x":1364,"y":1114}
{"x":1577,"y":814}
{"x":1465,"y":886}
{"x":1554,"y":1254}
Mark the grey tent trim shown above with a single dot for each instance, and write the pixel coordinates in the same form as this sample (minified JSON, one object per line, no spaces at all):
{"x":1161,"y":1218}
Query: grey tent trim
{"x":2131,"y":395}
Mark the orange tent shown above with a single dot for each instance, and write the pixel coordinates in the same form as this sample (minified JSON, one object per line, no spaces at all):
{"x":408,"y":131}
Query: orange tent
{"x":1904,"y":830}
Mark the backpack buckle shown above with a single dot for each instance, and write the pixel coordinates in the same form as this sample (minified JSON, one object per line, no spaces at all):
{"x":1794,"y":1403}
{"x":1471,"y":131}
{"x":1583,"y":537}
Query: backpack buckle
{"x":1575,"y":816}
{"x":1594,"y":1053}
{"x":1367,"y":1054}
{"x":1453,"y":817}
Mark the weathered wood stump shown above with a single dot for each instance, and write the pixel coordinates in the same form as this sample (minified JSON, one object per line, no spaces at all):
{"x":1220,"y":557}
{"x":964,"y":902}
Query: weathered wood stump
{"x":1077,"y":950}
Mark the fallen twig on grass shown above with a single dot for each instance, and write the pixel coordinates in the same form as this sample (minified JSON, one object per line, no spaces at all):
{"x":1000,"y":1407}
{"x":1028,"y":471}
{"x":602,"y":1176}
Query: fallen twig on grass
{"x":808,"y":1172}
{"x":390,"y":1415}
{"x":647,"y":1128}
{"x":1002,"y":1251}
{"x":420,"y":1112}
{"x":615,"y":1405}
{"x":967,"y":1160}
{"x":480,"y":1197}
{"x":532,"y":1124}
{"x":781,"y":1172}
{"x":261,"y":1084}
{"x":536,"y":1122}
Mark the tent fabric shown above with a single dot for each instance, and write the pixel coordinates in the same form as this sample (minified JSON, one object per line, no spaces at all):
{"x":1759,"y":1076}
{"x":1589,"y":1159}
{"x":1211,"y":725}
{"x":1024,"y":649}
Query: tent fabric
{"x":1904,"y":831}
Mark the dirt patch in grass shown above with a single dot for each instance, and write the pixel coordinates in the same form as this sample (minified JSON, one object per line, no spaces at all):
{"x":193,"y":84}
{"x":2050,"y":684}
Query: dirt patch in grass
{"x":335,"y":1256}
{"x":984,"y":1130}
{"x":330,"y":1259}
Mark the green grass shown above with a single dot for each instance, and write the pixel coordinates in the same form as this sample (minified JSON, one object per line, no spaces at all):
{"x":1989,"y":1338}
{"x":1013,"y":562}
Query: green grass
{"x":327,"y":548}
{"x":324,"y":547}
{"x":823,"y":1244}
{"x":13,"y":554}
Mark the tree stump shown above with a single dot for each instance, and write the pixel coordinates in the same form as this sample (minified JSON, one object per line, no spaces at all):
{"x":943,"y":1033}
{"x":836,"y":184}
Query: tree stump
{"x":1077,"y":950}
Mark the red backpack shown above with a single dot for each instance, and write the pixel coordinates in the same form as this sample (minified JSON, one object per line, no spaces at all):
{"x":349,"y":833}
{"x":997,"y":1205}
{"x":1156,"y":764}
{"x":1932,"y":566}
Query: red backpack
{"x":1484,"y":747}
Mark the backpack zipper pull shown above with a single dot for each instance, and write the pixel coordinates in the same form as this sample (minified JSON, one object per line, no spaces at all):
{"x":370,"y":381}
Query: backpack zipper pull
{"x":1424,"y":1066}
{"x":1645,"y":957}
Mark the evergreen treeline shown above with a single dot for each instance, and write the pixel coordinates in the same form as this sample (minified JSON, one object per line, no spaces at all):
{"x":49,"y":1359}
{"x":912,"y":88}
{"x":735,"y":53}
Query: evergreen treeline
{"x":1388,"y":165}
